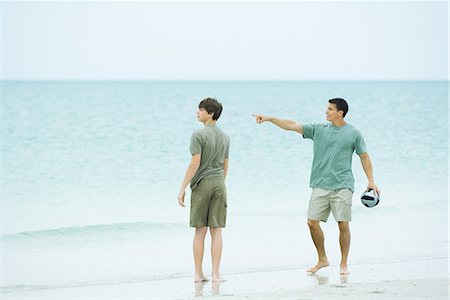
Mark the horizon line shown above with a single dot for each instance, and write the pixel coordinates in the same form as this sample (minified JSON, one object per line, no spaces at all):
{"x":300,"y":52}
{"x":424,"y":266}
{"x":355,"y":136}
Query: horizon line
{"x":234,"y":80}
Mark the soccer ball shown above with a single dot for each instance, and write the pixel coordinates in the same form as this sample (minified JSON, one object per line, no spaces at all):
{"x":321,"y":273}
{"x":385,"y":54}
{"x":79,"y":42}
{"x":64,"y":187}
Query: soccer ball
{"x":369,"y":198}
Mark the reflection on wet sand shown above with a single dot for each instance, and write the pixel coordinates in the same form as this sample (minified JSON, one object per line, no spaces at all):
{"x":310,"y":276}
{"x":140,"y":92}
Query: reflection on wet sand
{"x":320,"y":279}
{"x":200,"y":288}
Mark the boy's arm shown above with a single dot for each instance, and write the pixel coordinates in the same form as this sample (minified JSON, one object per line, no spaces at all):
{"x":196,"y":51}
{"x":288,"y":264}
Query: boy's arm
{"x":284,"y":124}
{"x":225,"y":168}
{"x":367,"y":166}
{"x":190,"y":172}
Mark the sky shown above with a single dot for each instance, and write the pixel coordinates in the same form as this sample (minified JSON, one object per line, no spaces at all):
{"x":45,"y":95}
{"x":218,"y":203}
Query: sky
{"x":292,"y":40}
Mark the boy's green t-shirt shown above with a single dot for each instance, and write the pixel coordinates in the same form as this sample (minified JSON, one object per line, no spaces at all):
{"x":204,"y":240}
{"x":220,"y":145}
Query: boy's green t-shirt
{"x":333,"y":150}
{"x":213,"y":145}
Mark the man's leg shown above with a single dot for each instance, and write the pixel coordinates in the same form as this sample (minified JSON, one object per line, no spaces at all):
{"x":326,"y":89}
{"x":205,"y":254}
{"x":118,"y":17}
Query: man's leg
{"x":216,"y":252}
{"x":199,"y":247}
{"x":318,"y":239}
{"x":344,"y":241}
{"x":341,"y":206}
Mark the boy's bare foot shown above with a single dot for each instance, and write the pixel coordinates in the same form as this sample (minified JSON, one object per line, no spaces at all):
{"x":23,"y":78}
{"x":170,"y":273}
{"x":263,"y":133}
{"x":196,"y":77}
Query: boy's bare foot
{"x":217,"y":278}
{"x":344,"y":270}
{"x":318,"y":266}
{"x":200,"y":278}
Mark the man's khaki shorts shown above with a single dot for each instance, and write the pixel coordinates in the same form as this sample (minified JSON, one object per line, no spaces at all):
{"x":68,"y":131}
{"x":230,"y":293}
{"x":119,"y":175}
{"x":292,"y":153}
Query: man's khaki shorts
{"x":323,"y":201}
{"x":209,"y":203}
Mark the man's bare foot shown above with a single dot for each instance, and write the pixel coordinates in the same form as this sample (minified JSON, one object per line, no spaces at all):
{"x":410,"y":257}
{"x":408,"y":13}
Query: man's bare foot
{"x":217,"y":278}
{"x":200,"y":278}
{"x":344,"y":270}
{"x":318,"y":266}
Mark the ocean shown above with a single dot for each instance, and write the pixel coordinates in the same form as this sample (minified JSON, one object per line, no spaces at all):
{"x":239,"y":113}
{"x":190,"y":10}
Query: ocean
{"x":91,"y":172}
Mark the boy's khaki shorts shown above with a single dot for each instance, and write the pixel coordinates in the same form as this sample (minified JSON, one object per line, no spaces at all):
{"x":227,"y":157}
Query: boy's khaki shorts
{"x":323,"y":201}
{"x":209,"y":203}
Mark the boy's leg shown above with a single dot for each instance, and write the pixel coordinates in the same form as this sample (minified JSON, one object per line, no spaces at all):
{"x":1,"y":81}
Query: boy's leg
{"x":216,"y":252}
{"x":216,"y":221}
{"x":199,"y":220}
{"x":199,"y":247}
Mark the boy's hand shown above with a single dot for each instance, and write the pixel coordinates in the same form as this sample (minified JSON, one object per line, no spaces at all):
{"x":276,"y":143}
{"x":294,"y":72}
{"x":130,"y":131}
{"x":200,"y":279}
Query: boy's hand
{"x":181,"y":198}
{"x":261,"y":118}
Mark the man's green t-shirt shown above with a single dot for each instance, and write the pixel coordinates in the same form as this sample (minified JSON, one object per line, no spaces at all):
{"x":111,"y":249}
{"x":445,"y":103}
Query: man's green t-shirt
{"x":333,"y":150}
{"x":213,"y":145}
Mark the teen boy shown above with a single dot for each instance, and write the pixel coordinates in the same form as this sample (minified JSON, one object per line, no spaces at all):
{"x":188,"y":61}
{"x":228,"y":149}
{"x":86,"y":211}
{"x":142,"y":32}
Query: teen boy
{"x":206,"y":174}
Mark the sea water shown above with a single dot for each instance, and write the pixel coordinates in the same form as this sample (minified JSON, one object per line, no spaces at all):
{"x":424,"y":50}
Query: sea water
{"x":91,"y":172}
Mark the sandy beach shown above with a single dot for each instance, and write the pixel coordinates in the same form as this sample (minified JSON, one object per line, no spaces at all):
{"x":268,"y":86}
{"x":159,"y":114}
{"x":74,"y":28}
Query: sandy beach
{"x":433,"y":288}
{"x":424,"y":278}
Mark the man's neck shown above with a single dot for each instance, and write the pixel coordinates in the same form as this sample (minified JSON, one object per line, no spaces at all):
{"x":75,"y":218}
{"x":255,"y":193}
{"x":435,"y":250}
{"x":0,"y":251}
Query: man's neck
{"x":339,"y":123}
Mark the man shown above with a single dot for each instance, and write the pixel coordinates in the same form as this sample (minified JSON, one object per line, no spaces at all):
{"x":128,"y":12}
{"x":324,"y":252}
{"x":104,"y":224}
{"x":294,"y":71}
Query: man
{"x":331,"y":175}
{"x":206,"y":174}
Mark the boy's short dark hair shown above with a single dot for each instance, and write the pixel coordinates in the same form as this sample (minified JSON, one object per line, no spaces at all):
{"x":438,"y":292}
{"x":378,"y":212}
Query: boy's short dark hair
{"x":341,"y":104}
{"x":211,"y":105}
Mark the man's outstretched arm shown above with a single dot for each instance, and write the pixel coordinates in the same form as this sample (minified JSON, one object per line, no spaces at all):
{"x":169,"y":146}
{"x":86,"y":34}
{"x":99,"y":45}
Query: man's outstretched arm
{"x":367,"y":166}
{"x":284,"y":124}
{"x":190,"y":172}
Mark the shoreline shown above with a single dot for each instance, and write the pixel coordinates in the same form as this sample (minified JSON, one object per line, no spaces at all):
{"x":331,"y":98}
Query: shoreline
{"x":423,"y":278}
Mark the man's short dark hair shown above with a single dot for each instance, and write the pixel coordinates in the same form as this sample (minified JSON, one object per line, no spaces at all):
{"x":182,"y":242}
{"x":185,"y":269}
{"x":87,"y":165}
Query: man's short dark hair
{"x":341,"y":104}
{"x":211,"y":106}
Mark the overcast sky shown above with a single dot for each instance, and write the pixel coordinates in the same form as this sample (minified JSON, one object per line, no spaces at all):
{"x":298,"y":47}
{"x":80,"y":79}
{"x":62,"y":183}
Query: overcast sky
{"x":225,"y":40}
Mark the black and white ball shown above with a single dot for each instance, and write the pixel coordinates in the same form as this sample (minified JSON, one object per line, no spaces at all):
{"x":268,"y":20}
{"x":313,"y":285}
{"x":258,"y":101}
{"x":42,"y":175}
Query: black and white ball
{"x":370,"y":198}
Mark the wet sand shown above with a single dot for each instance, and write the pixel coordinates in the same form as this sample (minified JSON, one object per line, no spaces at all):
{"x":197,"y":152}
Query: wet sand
{"x":423,"y":278}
